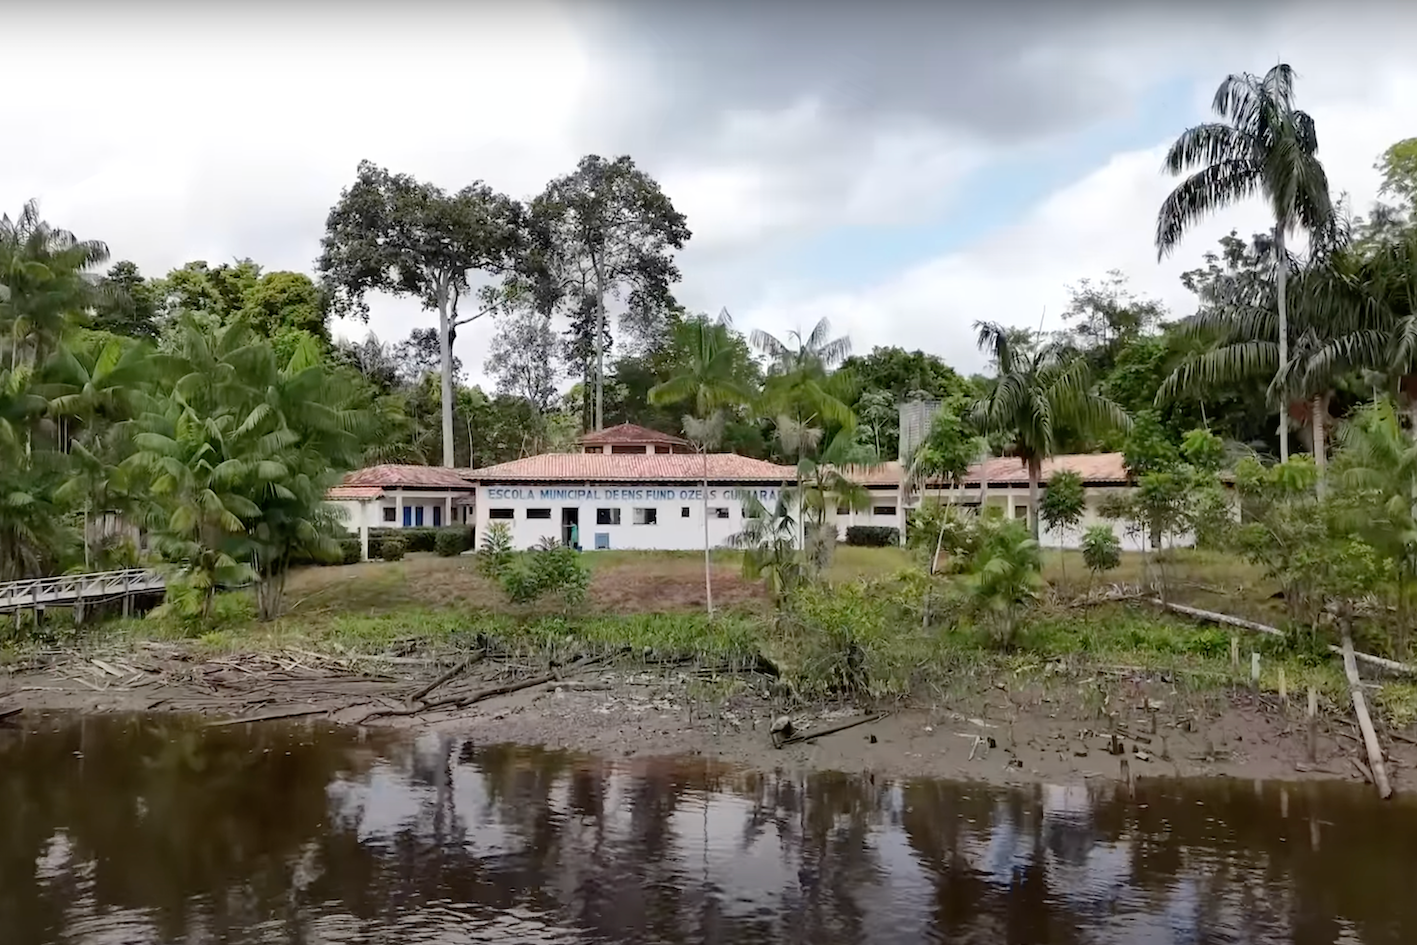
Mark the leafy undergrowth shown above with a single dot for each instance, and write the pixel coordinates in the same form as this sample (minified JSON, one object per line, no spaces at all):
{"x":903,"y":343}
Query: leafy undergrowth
{"x":865,"y":633}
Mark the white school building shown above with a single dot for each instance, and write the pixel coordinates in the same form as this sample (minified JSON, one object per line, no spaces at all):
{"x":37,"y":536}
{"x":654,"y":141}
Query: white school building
{"x":635,"y":488}
{"x":397,"y":496}
{"x":624,"y":501}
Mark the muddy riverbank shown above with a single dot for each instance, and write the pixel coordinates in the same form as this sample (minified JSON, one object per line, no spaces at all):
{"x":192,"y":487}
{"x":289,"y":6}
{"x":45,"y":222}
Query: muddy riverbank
{"x":1054,"y":727}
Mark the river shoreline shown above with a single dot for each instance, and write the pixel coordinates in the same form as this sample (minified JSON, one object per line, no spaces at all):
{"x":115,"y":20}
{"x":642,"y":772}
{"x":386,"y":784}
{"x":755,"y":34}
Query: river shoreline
{"x":1066,"y":728}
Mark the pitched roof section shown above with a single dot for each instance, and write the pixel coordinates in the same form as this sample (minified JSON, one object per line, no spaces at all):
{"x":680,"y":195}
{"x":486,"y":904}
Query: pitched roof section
{"x":1009,"y":471}
{"x":633,"y":467}
{"x":406,"y":477}
{"x":354,"y":492}
{"x":1092,"y":467}
{"x":628,"y":433}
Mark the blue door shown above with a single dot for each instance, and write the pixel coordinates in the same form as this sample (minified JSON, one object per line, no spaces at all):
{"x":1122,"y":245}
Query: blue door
{"x":418,"y":515}
{"x":408,"y":516}
{"x":437,"y":516}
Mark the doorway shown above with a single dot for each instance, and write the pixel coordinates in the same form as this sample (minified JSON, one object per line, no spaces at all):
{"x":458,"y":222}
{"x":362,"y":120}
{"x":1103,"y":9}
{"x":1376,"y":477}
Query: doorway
{"x":570,"y":527}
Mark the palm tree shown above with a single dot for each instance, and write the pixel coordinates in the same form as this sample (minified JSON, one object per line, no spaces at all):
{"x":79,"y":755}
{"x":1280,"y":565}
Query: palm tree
{"x":1261,"y":144}
{"x":769,"y":541}
{"x":801,"y":381}
{"x":1037,"y":394}
{"x":708,"y":381}
{"x":47,"y":281}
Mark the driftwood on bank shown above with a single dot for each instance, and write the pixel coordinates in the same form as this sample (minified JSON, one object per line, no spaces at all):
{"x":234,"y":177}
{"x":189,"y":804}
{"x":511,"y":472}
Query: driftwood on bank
{"x":9,"y":713}
{"x":832,"y":729}
{"x":1365,"y":723}
{"x":273,"y":716}
{"x":1392,"y":666}
{"x":462,"y":702}
{"x":457,"y":670}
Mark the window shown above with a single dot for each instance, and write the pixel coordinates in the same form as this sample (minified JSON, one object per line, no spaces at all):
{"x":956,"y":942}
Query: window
{"x":1021,"y":511}
{"x":646,"y":516}
{"x":390,"y":514}
{"x":661,"y":449}
{"x":684,"y":512}
{"x":843,"y":510}
{"x":752,"y":511}
{"x":638,"y":448}
{"x":883,"y":510}
{"x":538,"y":513}
{"x":719,"y":511}
{"x":607,"y":516}
{"x":594,"y":449}
{"x":503,"y":514}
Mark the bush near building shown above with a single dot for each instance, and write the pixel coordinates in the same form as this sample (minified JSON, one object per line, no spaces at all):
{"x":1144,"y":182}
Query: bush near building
{"x":872,"y":536}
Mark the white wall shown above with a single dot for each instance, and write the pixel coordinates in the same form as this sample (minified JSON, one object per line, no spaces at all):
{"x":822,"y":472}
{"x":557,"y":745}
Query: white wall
{"x":672,"y":531}
{"x":372,"y":511}
{"x":1014,"y":503}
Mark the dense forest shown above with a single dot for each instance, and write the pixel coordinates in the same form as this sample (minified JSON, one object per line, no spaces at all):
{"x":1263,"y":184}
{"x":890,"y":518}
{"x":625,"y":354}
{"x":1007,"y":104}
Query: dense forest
{"x":213,"y":405}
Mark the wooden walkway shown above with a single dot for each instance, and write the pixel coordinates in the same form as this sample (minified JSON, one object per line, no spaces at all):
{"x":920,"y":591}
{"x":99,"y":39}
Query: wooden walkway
{"x":79,"y":590}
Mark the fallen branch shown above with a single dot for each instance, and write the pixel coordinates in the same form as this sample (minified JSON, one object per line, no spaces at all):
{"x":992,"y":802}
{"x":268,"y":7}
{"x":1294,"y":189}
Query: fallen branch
{"x":270,"y":716}
{"x":457,"y":670}
{"x":9,"y":713}
{"x":1360,"y":709}
{"x":1392,"y":666}
{"x":462,"y":702}
{"x":833,"y":729}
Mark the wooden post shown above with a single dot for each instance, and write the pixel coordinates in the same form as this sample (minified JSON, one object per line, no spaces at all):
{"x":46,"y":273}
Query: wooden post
{"x":1234,"y":651}
{"x":1255,"y":669}
{"x":1313,"y":726}
{"x":127,"y":596}
{"x":1283,"y":689}
{"x":1360,"y":709}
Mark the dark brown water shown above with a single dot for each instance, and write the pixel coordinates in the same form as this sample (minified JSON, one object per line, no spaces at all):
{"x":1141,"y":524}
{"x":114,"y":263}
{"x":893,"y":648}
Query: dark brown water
{"x":159,"y":831}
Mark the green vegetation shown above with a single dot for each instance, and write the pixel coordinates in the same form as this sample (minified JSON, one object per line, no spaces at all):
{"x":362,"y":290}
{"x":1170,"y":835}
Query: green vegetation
{"x":195,"y":421}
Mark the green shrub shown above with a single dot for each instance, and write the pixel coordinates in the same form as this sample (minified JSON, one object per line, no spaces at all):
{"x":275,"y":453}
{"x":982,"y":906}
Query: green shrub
{"x":547,"y":569}
{"x":414,"y":539}
{"x":451,"y":542}
{"x":349,"y":551}
{"x":1101,"y":551}
{"x":872,"y":536}
{"x":495,"y":555}
{"x":391,"y":549}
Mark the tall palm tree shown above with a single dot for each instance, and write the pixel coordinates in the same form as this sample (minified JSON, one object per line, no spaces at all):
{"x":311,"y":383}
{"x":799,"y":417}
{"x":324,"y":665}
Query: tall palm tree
{"x":1242,"y":342}
{"x":1037,"y":394}
{"x":46,"y":282}
{"x":708,"y":381}
{"x":801,"y":380}
{"x":1261,"y":145}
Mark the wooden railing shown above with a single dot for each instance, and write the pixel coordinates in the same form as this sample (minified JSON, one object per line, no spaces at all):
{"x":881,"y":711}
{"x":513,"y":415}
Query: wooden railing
{"x":66,"y":590}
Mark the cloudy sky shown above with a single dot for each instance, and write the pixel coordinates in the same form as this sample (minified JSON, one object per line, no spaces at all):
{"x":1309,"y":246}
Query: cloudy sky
{"x":901,"y":170}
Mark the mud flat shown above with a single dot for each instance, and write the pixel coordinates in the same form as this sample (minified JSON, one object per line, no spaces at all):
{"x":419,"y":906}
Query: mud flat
{"x":1059,"y":728}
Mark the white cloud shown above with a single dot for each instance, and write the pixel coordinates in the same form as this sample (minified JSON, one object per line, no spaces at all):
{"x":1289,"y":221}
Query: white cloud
{"x":221,"y":135}
{"x":1104,"y":221}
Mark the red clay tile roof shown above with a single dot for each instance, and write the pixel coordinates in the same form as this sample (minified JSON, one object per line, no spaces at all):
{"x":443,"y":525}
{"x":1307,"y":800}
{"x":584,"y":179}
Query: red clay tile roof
{"x":633,"y":467}
{"x":1092,"y":467}
{"x":408,"y":477}
{"x":1007,"y":471}
{"x":354,"y":492}
{"x":627,"y":433}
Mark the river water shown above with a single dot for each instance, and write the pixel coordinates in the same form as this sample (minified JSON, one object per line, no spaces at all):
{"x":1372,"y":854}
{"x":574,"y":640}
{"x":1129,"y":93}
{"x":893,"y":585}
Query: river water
{"x":160,"y":830}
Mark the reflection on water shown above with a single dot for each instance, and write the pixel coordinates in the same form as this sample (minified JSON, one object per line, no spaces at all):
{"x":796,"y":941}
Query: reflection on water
{"x":159,"y":831}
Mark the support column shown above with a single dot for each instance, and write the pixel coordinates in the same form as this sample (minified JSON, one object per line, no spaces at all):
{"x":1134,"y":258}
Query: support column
{"x":364,"y":531}
{"x":447,"y":511}
{"x":398,"y":509}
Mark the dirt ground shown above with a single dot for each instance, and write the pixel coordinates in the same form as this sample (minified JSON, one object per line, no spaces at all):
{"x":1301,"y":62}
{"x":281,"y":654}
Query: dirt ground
{"x":1045,"y":733}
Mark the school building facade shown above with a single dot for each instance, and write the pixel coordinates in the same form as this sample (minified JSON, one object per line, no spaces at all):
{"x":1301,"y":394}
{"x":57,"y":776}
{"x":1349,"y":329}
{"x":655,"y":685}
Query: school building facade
{"x":631,"y":501}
